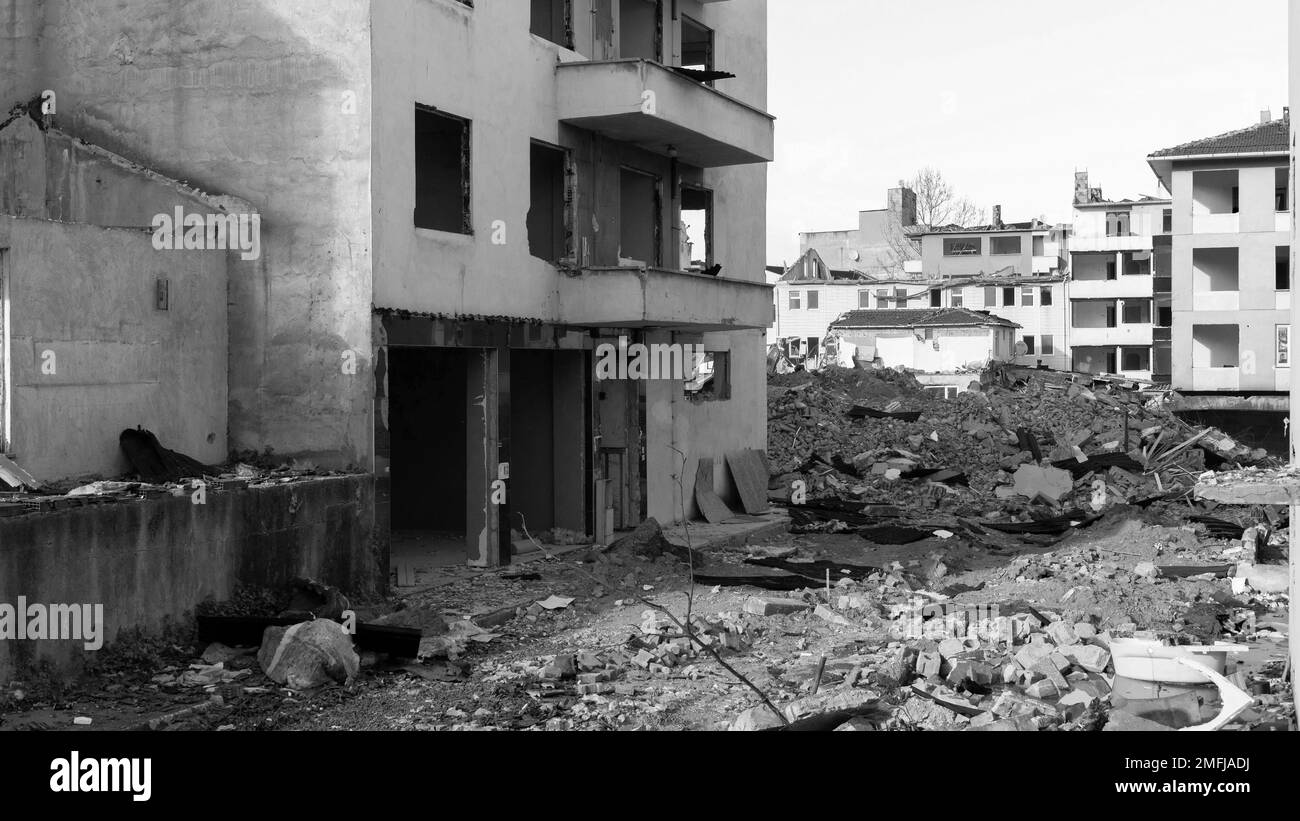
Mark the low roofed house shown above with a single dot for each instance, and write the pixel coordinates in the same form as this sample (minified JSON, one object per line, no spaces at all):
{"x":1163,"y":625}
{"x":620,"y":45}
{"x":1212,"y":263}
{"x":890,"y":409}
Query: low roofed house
{"x":943,"y":344}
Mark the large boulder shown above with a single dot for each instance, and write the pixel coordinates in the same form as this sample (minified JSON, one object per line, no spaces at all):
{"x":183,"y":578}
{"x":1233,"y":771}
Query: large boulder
{"x":308,"y":655}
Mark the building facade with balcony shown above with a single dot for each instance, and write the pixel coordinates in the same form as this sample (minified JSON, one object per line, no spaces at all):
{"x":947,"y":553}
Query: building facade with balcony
{"x":1230,"y":259}
{"x":1120,"y":304}
{"x":1015,"y":271}
{"x":461,"y":204}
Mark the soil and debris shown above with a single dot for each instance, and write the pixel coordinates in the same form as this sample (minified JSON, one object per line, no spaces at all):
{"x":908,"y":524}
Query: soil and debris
{"x":965,"y":564}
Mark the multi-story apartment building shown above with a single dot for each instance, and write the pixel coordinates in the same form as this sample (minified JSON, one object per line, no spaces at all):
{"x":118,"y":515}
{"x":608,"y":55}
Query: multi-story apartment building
{"x":1231,"y":237}
{"x":1120,"y":310}
{"x":461,"y":203}
{"x":1014,"y":271}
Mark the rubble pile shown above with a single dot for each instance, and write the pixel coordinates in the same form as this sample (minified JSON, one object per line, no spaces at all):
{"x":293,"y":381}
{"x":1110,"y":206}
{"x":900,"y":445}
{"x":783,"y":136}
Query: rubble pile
{"x":1038,"y":439}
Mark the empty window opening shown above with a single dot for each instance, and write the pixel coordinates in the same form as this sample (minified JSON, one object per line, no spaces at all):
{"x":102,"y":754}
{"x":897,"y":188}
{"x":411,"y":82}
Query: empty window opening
{"x":639,"y":210}
{"x":1137,"y":312}
{"x":1165,"y":316}
{"x":1112,"y":270}
{"x":1029,"y":346}
{"x":1216,"y":346}
{"x":1137,"y":263}
{"x":936,"y":298}
{"x":1093,"y":314}
{"x":1282,"y":268}
{"x":697,"y":45}
{"x":1214,"y":270}
{"x":711,"y":381}
{"x":697,"y":229}
{"x":1282,"y":190}
{"x":1009,"y":297}
{"x":1215,"y":192}
{"x":1003,"y":246}
{"x":640,"y":30}
{"x":1135,"y":359}
{"x":442,"y":171}
{"x":552,"y":20}
{"x":962,"y":246}
{"x":547,"y":233}
{"x":1094,"y":360}
{"x":1045,"y":296}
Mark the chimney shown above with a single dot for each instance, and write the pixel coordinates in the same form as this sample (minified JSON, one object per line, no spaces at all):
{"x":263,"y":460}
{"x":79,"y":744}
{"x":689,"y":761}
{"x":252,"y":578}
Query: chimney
{"x":1265,"y":116}
{"x":1081,"y":189}
{"x":902,"y":204}
{"x":997,"y":216}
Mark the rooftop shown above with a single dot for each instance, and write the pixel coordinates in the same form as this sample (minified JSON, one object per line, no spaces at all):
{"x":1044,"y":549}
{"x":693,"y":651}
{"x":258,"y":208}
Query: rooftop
{"x":920,"y":318}
{"x":1273,"y":137}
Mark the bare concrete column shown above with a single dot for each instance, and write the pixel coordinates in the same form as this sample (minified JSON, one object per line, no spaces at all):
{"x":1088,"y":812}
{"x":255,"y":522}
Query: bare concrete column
{"x":487,"y":500}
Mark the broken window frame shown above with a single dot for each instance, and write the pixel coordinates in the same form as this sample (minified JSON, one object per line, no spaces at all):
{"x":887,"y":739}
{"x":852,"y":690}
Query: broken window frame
{"x":963,"y":246}
{"x":656,"y":260}
{"x":658,"y":33}
{"x":466,"y":171}
{"x":567,"y":199}
{"x":6,"y":381}
{"x":710,"y":50}
{"x":718,"y":388}
{"x":936,"y":298}
{"x":709,"y":219}
{"x":566,"y":22}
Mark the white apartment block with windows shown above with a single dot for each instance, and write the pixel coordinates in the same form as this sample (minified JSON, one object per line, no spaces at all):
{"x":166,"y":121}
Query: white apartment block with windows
{"x":1231,"y":243}
{"x":1119,"y":303}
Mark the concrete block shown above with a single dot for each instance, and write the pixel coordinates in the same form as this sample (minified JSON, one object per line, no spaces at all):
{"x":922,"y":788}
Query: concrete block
{"x":775,"y":607}
{"x":1088,"y":656}
{"x":1061,"y":633}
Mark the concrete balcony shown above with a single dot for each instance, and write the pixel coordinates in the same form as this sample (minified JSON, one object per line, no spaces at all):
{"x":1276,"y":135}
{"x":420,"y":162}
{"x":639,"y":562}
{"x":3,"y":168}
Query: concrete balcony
{"x":1216,"y":379}
{"x":1121,"y":336}
{"x":658,"y":298}
{"x":1122,"y":287}
{"x":648,"y":105}
{"x":1216,"y":301}
{"x":1216,"y":223}
{"x":1093,"y":244}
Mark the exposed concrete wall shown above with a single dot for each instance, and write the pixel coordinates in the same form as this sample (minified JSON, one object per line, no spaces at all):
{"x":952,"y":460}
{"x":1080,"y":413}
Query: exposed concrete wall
{"x":150,"y":561}
{"x":266,"y":100}
{"x":92,"y":356}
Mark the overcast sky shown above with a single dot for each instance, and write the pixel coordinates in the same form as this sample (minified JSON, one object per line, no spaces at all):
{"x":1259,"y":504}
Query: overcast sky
{"x":1006,"y":97}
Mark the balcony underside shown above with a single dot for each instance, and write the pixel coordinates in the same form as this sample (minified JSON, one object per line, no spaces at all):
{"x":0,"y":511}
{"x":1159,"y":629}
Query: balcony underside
{"x":654,"y":108}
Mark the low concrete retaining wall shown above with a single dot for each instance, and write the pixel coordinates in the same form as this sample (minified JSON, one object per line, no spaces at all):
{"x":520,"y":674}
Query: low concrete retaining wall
{"x":146,"y":561}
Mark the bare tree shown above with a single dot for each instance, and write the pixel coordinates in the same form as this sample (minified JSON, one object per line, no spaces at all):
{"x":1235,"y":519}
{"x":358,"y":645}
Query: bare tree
{"x":937,"y":204}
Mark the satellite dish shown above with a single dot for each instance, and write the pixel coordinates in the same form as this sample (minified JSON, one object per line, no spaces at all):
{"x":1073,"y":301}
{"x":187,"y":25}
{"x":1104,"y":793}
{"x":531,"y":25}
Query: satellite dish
{"x":855,"y":256}
{"x":1022,"y":349}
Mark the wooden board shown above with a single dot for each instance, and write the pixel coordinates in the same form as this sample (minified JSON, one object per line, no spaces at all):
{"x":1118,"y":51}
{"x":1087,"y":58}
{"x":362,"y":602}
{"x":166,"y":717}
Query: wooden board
{"x":751,"y":480}
{"x":711,"y":506}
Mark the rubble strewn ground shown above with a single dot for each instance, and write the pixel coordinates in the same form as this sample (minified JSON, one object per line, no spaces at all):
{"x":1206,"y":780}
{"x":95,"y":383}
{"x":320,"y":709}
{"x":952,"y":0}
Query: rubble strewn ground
{"x":988,"y":596}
